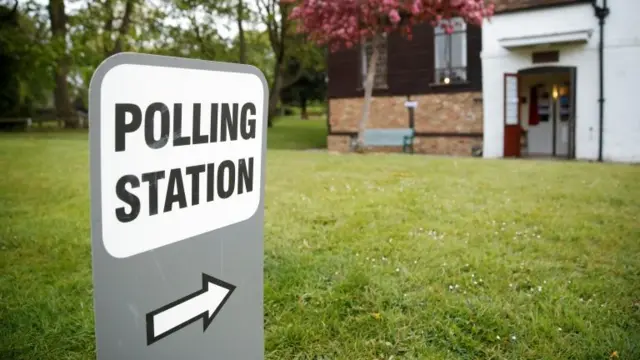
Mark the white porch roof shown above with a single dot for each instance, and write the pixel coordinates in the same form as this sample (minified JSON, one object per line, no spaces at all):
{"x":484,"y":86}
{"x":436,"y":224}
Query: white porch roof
{"x":576,"y":36}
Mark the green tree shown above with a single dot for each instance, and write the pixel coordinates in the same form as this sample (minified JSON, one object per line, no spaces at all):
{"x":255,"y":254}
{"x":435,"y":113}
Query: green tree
{"x":258,"y":51}
{"x":293,"y":54}
{"x":58,"y":20}
{"x":27,"y":60}
{"x":9,"y":83}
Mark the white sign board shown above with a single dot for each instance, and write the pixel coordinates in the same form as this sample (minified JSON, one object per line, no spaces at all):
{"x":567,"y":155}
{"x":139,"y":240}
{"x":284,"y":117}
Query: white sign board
{"x":174,"y":156}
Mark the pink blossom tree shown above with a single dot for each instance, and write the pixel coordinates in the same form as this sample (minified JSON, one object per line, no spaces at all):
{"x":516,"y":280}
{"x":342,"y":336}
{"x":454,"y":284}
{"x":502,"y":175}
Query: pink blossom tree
{"x":344,"y":23}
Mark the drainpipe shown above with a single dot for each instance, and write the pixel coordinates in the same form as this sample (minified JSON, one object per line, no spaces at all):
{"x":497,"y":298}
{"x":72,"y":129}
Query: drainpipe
{"x":601,"y":13}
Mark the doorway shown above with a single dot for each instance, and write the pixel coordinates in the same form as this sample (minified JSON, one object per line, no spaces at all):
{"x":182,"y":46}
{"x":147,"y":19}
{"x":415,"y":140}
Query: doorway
{"x":540,"y":113}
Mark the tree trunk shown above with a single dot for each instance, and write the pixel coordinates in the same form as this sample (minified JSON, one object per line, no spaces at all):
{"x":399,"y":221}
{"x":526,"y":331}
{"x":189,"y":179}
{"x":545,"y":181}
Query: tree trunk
{"x":107,"y":30}
{"x":58,"y":19}
{"x":241,"y":40}
{"x":274,"y":93}
{"x":368,"y":91}
{"x":303,"y":106}
{"x":123,"y":30}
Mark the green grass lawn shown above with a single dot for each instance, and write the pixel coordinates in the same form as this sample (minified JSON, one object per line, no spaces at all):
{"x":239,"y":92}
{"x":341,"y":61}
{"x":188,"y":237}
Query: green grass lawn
{"x":291,"y":133}
{"x":366,"y":256}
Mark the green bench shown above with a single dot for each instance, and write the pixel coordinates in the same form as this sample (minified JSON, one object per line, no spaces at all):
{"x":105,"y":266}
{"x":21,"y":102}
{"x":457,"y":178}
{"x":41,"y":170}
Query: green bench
{"x":15,"y":123}
{"x":390,"y":137}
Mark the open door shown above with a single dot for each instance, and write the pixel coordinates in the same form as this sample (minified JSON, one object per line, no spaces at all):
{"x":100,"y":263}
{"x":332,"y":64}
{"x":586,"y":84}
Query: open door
{"x":512,"y":128}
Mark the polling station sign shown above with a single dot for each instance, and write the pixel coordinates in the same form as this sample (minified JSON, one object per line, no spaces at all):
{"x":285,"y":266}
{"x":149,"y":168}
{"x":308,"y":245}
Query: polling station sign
{"x":177,"y":151}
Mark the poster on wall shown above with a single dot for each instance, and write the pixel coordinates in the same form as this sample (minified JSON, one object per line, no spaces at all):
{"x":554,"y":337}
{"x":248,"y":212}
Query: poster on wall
{"x":511,"y":101}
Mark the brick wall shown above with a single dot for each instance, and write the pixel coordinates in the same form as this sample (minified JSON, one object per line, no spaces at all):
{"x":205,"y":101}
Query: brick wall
{"x":338,"y":143}
{"x":449,"y":145}
{"x":386,"y":112}
{"x":444,"y":114}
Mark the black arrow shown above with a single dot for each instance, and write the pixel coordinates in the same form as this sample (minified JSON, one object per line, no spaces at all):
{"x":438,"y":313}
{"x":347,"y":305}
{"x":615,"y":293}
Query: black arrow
{"x":203,"y":304}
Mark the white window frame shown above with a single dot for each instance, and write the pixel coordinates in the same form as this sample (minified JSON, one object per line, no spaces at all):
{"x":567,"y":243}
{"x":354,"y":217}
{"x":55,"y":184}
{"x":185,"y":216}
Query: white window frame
{"x":460,"y":27}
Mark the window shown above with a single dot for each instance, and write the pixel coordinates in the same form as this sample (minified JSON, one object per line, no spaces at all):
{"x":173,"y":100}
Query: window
{"x":380,"y":80}
{"x":451,"y":53}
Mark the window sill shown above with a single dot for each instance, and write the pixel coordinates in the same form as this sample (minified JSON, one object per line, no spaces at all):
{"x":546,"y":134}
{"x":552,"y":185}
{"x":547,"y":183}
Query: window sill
{"x":457,"y":84}
{"x":386,"y":87}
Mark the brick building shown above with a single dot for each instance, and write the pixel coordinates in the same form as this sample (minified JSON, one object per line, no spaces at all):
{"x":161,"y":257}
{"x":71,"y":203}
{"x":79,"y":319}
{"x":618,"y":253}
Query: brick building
{"x":488,"y":86}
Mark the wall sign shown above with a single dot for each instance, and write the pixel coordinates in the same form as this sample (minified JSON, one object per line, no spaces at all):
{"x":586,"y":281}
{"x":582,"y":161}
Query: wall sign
{"x":411,"y":104}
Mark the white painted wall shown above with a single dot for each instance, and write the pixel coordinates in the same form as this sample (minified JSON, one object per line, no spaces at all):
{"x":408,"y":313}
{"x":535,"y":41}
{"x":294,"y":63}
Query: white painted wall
{"x":622,"y":73}
{"x":622,"y":76}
